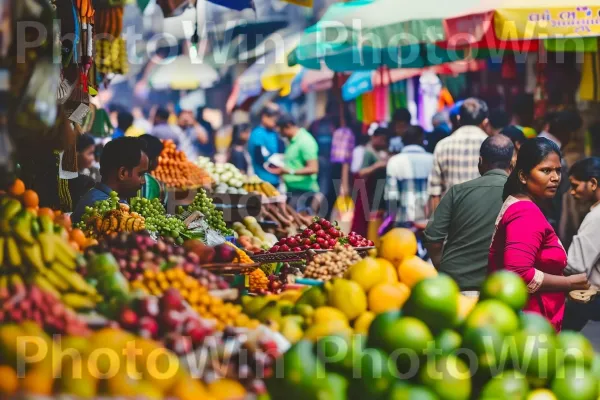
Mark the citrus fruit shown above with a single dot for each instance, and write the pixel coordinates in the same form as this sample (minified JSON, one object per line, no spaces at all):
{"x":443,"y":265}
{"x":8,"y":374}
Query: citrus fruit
{"x":574,"y":348}
{"x":380,"y":326}
{"x":37,"y":382}
{"x":78,"y":237}
{"x":413,"y":270}
{"x":398,"y":244}
{"x":17,"y":188}
{"x":325,"y":314}
{"x":448,"y":341}
{"x":187,"y":388}
{"x":509,"y":385}
{"x":448,"y":377}
{"x":390,"y":274}
{"x":466,"y":304}
{"x":487,"y":343}
{"x":339,"y":353}
{"x":493,"y":313}
{"x":375,"y":373}
{"x":541,"y":394}
{"x":367,"y":273}
{"x":362,"y":323}
{"x":226,"y":389}
{"x":507,"y":287}
{"x":348,"y":297}
{"x":404,"y":391}
{"x":387,"y":296}
{"x":435,"y":302}
{"x":326,"y":328}
{"x":9,"y":382}
{"x":334,"y":387}
{"x":535,"y":323}
{"x":407,"y":340}
{"x":45,"y":211}
{"x":575,"y":383}
{"x":302,"y":368}
{"x":536,"y":356}
{"x":31,"y":199}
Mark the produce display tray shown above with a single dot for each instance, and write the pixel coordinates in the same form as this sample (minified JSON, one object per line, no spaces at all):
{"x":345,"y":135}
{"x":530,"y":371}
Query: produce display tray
{"x":360,"y":250}
{"x":299,"y":256}
{"x":228,"y":268}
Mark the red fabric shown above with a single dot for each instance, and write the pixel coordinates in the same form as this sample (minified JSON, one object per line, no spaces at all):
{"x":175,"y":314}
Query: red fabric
{"x":525,"y":241}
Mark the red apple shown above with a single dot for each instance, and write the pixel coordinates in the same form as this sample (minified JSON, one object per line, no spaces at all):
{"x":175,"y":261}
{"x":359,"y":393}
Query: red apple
{"x":171,"y":300}
{"x":171,"y":321}
{"x":128,"y":319}
{"x":148,"y":328}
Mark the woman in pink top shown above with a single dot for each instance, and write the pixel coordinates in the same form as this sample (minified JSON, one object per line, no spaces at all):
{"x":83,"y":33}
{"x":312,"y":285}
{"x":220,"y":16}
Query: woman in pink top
{"x":524,"y":241}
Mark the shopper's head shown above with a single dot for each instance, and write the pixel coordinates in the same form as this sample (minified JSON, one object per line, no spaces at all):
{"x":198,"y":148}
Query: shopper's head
{"x":440,"y":119}
{"x":413,"y":135}
{"x":124,"y":120}
{"x":161,"y":116}
{"x":496,"y":152}
{"x":268,"y":117}
{"x":498,"y":120}
{"x":154,"y":146}
{"x":86,"y":147}
{"x":185,"y":118}
{"x":401,"y":121}
{"x":123,"y":165}
{"x":241,"y":134}
{"x":515,"y":134}
{"x":537,"y":173}
{"x":380,"y":140}
{"x":584,"y":176}
{"x":473,"y":112}
{"x":563,"y":124}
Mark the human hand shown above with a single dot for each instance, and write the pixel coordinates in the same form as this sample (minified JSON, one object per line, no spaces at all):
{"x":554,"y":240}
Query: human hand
{"x":276,"y":170}
{"x":578,"y":282}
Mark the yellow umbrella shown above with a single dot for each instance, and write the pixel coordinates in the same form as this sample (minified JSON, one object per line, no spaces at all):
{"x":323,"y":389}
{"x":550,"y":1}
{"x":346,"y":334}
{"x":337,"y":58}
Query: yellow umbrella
{"x":279,"y":76}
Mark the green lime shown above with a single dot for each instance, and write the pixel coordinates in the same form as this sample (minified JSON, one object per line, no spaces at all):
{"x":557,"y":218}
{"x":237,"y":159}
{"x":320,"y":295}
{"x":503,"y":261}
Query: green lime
{"x":507,"y":287}
{"x":339,"y":353}
{"x":509,"y":385}
{"x":435,"y":302}
{"x":374,"y":373}
{"x":405,"y":391}
{"x":535,"y":323}
{"x":448,"y":377}
{"x":448,"y":341}
{"x":486,"y":342}
{"x":407,"y":341}
{"x":536,"y":356}
{"x":575,"y":383}
{"x":493,"y":313}
{"x":379,"y":327}
{"x":574,"y":348}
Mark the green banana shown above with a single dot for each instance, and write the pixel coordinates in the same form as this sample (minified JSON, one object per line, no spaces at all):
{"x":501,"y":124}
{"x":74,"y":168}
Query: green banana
{"x":48,"y":247}
{"x":33,"y":256}
{"x":22,"y":227}
{"x":12,"y":252}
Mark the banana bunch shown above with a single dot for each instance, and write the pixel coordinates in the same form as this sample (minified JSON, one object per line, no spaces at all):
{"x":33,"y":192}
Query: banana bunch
{"x":31,"y":251}
{"x":111,"y":56}
{"x":116,"y":221}
{"x":264,"y":188}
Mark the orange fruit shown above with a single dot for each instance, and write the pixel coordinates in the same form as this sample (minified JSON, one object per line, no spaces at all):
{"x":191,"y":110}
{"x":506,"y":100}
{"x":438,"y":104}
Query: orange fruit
{"x":390,"y":274}
{"x":413,"y":270}
{"x":31,"y":199}
{"x":63,"y":220}
{"x":397,"y":245}
{"x":47,"y":212}
{"x":38,"y":381}
{"x":17,"y":188}
{"x":9,"y":382}
{"x":227,"y":389}
{"x":78,"y":237}
{"x":387,"y":296}
{"x":75,"y":245}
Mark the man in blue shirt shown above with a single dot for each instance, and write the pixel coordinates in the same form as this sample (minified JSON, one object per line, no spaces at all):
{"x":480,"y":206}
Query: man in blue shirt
{"x":263,"y":143}
{"x":124,"y":122}
{"x":123,"y":166}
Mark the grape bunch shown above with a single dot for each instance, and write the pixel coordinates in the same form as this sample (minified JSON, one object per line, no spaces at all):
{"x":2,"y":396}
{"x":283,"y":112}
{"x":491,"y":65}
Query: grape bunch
{"x":157,"y":220}
{"x":212,"y":216}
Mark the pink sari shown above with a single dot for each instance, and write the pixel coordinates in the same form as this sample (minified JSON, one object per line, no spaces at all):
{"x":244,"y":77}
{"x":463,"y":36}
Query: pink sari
{"x":525,"y":242}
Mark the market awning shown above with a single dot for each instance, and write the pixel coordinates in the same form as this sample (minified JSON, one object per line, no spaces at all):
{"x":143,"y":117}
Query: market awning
{"x":183,"y":73}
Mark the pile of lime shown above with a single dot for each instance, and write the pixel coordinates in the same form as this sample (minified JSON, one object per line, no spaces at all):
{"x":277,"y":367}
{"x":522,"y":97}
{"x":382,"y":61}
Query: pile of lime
{"x":157,"y":219}
{"x":431,"y":350}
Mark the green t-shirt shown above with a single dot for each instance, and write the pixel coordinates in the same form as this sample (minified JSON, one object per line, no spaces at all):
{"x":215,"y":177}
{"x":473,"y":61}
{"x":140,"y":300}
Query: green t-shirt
{"x":303,"y":148}
{"x":465,"y":221}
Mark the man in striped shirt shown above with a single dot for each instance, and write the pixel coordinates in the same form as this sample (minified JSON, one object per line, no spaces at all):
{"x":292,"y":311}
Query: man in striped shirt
{"x":456,"y":157}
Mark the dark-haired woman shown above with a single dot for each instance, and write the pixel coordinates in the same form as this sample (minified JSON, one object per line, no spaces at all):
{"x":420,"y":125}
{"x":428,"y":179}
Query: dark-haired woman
{"x":524,"y":241}
{"x":239,"y":155}
{"x":584,"y":252}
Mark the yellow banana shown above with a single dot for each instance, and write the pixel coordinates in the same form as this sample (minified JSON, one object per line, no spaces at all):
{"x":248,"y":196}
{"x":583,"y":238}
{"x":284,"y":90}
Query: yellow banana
{"x":98,"y":224}
{"x":4,"y":292}
{"x":73,"y":279}
{"x":114,"y":223}
{"x":123,"y":224}
{"x":22,"y":227}
{"x":77,"y":301}
{"x":130,"y":222}
{"x":65,"y":254}
{"x":33,"y":256}
{"x":137,"y":224}
{"x":55,"y":280}
{"x":105,"y":225}
{"x":46,"y":286}
{"x":47,"y":245}
{"x":12,"y":252}
{"x":2,"y":240}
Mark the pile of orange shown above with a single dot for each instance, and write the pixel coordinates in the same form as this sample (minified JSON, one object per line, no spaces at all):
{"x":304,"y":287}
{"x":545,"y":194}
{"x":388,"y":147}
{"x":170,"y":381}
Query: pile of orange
{"x":30,"y":199}
{"x":175,"y":170}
